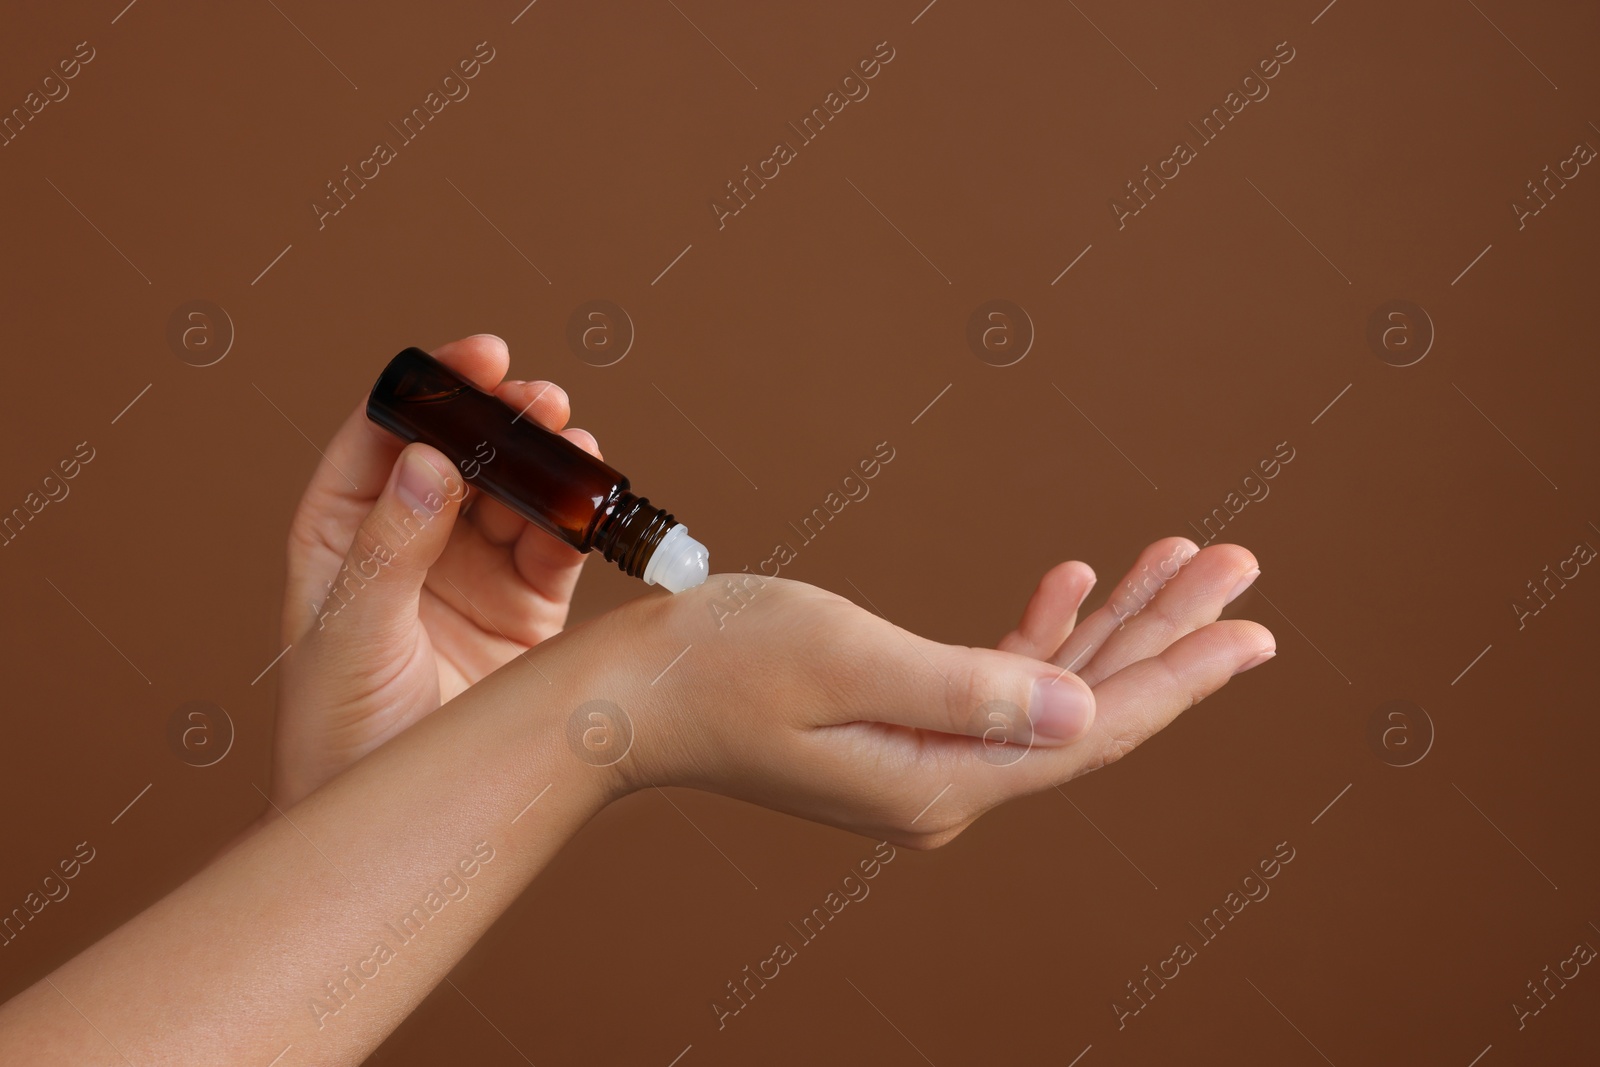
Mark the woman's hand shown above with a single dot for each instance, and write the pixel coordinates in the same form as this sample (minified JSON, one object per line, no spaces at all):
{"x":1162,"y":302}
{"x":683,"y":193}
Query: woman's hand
{"x":793,"y":698}
{"x":392,"y":606}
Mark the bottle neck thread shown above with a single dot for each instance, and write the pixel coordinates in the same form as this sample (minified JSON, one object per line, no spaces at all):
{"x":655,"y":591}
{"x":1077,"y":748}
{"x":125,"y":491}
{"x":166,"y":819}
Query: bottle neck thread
{"x":630,"y":532}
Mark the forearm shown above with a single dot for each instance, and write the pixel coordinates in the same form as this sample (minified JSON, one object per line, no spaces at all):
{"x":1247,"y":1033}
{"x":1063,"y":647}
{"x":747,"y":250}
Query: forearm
{"x":326,"y":927}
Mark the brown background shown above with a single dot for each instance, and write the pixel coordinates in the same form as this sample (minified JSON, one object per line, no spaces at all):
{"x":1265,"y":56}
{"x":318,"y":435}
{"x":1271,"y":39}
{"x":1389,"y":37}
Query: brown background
{"x":1196,"y":339}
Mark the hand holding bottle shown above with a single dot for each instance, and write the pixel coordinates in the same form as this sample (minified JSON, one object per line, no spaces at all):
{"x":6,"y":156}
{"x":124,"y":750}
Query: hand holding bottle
{"x":393,"y":606}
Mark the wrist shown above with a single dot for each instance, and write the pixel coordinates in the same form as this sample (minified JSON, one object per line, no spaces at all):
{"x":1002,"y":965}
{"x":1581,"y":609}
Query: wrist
{"x":558,"y":717}
{"x":624,"y":719}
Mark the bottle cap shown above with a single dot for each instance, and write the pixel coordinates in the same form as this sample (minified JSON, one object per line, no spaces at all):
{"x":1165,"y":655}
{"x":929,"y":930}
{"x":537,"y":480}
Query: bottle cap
{"x":679,"y":562}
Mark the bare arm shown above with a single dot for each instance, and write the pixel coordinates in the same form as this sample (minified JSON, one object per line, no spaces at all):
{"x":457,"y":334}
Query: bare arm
{"x":397,"y":833}
{"x":333,"y":921}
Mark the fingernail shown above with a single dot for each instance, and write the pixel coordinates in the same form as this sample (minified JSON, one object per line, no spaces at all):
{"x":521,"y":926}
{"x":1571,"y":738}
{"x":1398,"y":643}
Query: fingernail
{"x":1244,"y":583}
{"x":1059,"y":711}
{"x":1255,"y":661}
{"x":1087,"y":589}
{"x":416,"y":482}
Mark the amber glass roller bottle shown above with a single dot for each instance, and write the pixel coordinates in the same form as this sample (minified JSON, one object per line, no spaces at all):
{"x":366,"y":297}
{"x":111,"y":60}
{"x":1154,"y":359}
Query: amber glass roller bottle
{"x":540,"y":475}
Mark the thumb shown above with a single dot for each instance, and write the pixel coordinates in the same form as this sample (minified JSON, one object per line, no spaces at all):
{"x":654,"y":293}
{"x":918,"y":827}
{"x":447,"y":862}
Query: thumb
{"x":378,"y":585}
{"x":999,"y":697}
{"x":1005,"y":698}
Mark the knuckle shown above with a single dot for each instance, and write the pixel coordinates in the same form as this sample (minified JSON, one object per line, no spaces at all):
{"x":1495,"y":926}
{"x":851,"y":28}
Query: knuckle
{"x":1113,"y":749}
{"x":1123,"y":744}
{"x":1170,"y":625}
{"x":968,"y":693}
{"x":374,"y":546}
{"x":1195,"y":687}
{"x":309,"y":536}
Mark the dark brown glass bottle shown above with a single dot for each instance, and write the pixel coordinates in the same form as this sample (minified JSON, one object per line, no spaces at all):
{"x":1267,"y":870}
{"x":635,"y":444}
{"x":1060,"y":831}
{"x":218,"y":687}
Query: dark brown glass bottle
{"x":540,"y":475}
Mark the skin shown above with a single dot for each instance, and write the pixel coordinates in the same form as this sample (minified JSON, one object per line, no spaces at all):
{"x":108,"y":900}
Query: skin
{"x":428,"y":723}
{"x":460,"y":599}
